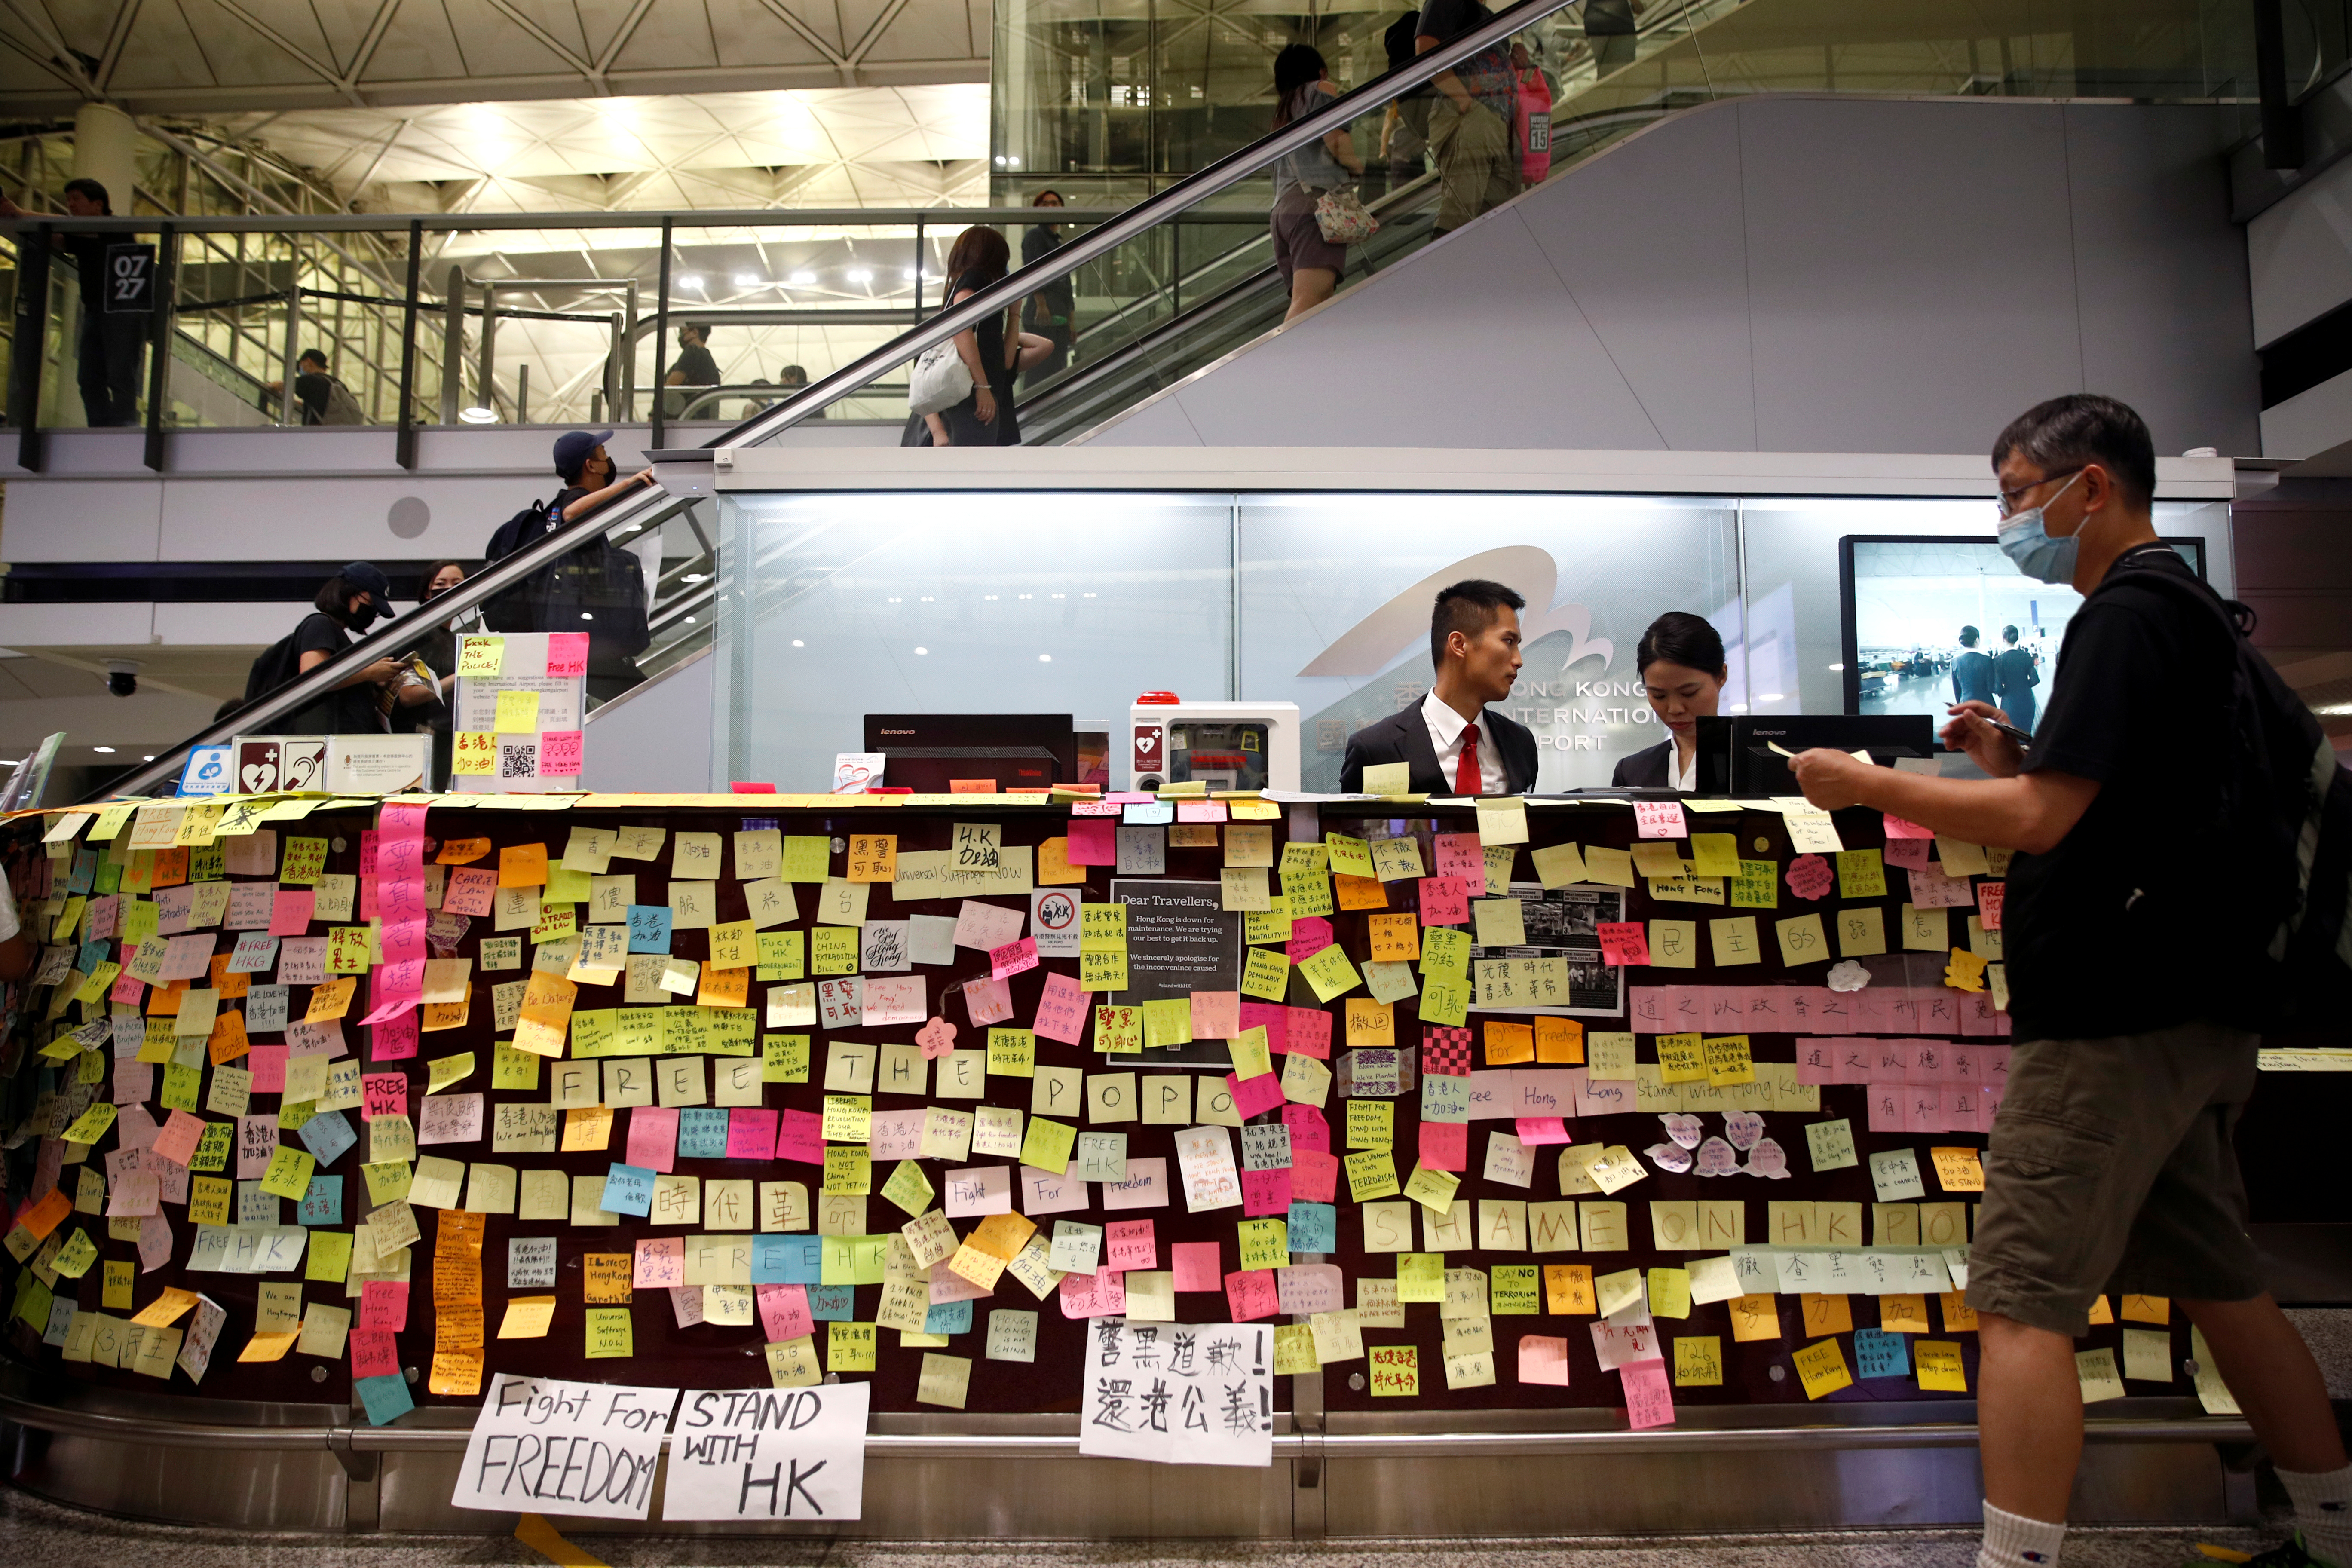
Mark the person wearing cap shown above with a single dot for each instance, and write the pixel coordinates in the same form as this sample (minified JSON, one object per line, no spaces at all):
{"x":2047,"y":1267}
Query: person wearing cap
{"x":598,"y":587}
{"x":587,"y":471}
{"x":362,"y":703}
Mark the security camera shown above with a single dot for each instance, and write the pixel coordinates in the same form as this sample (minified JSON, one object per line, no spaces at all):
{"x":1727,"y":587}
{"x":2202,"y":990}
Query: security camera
{"x":121,"y":676}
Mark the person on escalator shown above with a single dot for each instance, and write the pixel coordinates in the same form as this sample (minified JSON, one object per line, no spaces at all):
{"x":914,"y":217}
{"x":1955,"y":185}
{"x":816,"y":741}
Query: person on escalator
{"x":1404,"y":128}
{"x":597,"y":587}
{"x":994,"y":351}
{"x":1470,"y":121}
{"x":1051,"y":311}
{"x":1310,"y":263}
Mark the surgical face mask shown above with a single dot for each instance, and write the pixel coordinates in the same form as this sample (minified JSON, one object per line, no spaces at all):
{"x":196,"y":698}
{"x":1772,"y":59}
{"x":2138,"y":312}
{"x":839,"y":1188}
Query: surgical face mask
{"x":364,"y":617}
{"x":2029,"y":545}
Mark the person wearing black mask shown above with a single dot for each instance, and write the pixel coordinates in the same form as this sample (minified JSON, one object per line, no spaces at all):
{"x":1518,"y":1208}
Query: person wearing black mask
{"x":362,"y":703}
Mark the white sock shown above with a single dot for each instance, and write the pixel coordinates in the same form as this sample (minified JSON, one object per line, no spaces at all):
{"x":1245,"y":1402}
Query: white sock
{"x":2013,"y":1540}
{"x":2323,"y":1510}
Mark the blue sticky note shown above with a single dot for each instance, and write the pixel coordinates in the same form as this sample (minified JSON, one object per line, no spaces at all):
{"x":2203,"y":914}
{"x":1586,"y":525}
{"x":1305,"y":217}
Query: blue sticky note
{"x":91,"y":955}
{"x":1877,"y":1353}
{"x":787,"y":1260}
{"x":702,"y":1134}
{"x":648,"y":928}
{"x":832,"y":1303}
{"x":949,"y":1317}
{"x":85,"y":872}
{"x":386,"y":1398}
{"x":323,"y":1204}
{"x":1314,"y":1227}
{"x":326,"y":1135}
{"x":628,"y":1189}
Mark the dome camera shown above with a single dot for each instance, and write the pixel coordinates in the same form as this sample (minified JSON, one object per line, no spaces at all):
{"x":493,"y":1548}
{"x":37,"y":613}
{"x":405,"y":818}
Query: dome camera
{"x":122,"y":677}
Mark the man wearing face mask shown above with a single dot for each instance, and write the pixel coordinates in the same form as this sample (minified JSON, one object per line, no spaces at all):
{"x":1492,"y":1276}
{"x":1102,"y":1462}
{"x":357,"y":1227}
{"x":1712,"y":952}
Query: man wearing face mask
{"x":2110,"y":1165}
{"x":349,"y":601}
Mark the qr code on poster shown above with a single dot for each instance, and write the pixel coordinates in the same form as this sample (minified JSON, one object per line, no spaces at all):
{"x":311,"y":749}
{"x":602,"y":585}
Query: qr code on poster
{"x":518,"y":760}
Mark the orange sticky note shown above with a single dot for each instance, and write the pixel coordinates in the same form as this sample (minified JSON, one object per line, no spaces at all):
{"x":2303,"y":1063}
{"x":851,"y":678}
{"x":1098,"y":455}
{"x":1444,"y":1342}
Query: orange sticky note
{"x":606,"y":1278}
{"x":1904,"y":1314}
{"x":462,"y":851}
{"x":1559,"y":1040}
{"x":587,"y":1129}
{"x":1755,"y":1318}
{"x":331,"y":1000}
{"x":231,"y":987}
{"x":1054,"y":867}
{"x":171,"y":868}
{"x":1567,"y":1289}
{"x":228,"y":1040}
{"x":1508,"y":1043}
{"x":1003,"y":1236}
{"x":1394,"y":938}
{"x":2101,"y":1312}
{"x":971,"y":786}
{"x":1827,"y":1315}
{"x":458,"y":1372}
{"x":1959,"y":1318}
{"x":2148,"y":1308}
{"x":724,"y":987}
{"x":43,"y":1216}
{"x":163,"y":1002}
{"x":1359,"y":893}
{"x":522,"y":866}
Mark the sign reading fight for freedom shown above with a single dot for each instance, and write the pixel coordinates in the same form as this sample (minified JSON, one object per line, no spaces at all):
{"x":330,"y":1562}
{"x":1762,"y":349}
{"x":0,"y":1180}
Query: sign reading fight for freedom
{"x":544,"y":1447}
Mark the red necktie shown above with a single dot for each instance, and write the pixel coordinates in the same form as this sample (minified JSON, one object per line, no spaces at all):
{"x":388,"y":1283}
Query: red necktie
{"x":1465,"y":766}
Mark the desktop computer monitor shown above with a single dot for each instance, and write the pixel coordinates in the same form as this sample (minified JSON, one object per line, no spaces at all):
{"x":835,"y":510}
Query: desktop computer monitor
{"x":926,"y":752}
{"x":1736,"y":755}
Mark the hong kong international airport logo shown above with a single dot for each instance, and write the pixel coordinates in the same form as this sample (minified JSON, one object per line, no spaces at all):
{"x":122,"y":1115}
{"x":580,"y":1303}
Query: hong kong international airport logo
{"x":1566,"y":693}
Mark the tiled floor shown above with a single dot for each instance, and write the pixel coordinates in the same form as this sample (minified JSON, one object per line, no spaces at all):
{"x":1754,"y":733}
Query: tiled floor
{"x":33,"y":1532}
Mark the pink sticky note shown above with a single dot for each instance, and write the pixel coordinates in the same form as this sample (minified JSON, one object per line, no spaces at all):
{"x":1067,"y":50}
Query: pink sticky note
{"x":1623,"y":942}
{"x":1200,"y":811}
{"x":1128,"y":1243}
{"x":1314,"y":1175}
{"x":1253,"y":1294}
{"x":1310,"y":1031}
{"x":1197,"y":1266}
{"x":1543,"y":1359}
{"x":1910,"y":854}
{"x":383,"y":1094}
{"x":800,"y":1135}
{"x":559,"y":754}
{"x":751,"y":1134}
{"x":783,"y":1311}
{"x":178,"y":1139}
{"x":978,"y":1190}
{"x":268,"y":1065}
{"x":127,"y":987}
{"x":1307,"y":937}
{"x":661,"y":1263}
{"x":1649,"y":1397}
{"x":1217,"y":1014}
{"x":653,"y":1138}
{"x":1898,"y":829}
{"x":383,"y":1305}
{"x":988,"y":1001}
{"x":1659,"y":819}
{"x":1458,"y":855}
{"x":1253,"y":1095}
{"x":1062,"y":1010}
{"x":1309,"y":1128}
{"x":1102,"y":1294}
{"x":1445,"y":900}
{"x":1094,"y":841}
{"x":1265,"y":1192}
{"x":567,"y":654}
{"x":1013,"y":958}
{"x":374,"y":1353}
{"x":1444,"y":1146}
{"x":1534,"y":1130}
{"x":938,"y":1036}
{"x":1271,"y":1017}
{"x":289,"y":912}
{"x":1990,"y":899}
{"x":393,"y":1039}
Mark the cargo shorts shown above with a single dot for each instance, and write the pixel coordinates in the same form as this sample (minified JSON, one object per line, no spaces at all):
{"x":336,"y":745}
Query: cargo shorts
{"x":2110,"y":1166}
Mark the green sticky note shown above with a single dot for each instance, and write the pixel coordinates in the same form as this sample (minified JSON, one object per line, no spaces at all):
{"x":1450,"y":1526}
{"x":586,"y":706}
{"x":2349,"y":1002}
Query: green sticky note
{"x":330,"y":1256}
{"x":1670,"y":1294}
{"x":1714,"y":854}
{"x":1371,"y":1124}
{"x":833,"y":950}
{"x":1331,"y":973}
{"x":908,"y":1187}
{"x":1446,"y":950}
{"x":1862,"y":874}
{"x":1514,"y":1289}
{"x":783,"y":955}
{"x":1166,"y":1022}
{"x":289,"y":1175}
{"x":1756,"y":886}
{"x":1308,"y":893}
{"x":1265,"y":1244}
{"x":807,"y":857}
{"x":1047,"y":1144}
{"x":784,"y":1058}
{"x":1444,"y":1001}
{"x":1349,"y":856}
{"x":611,"y":1335}
{"x":1371,"y":1174}
{"x":1421,"y":1276}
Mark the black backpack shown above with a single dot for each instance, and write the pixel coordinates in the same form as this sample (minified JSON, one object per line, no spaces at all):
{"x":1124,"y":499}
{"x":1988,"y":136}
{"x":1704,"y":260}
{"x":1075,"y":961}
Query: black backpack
{"x":598,"y":588}
{"x":276,"y":665}
{"x":2281,"y":858}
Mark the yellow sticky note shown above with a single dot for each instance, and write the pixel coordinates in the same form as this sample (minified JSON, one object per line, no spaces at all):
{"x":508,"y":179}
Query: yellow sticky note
{"x":1389,"y":778}
{"x":1714,"y":854}
{"x":527,"y":1318}
{"x":1939,"y":1366}
{"x":482,"y":656}
{"x":1820,"y":1366}
{"x":1500,"y":922}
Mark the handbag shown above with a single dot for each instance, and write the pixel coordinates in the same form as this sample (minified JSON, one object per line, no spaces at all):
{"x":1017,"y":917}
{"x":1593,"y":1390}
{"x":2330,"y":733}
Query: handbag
{"x":941,"y":380}
{"x":1341,"y":216}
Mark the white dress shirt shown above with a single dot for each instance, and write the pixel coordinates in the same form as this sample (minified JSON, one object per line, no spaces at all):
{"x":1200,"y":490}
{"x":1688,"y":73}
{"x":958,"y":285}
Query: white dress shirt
{"x":1445,"y":729}
{"x":1684,"y":779}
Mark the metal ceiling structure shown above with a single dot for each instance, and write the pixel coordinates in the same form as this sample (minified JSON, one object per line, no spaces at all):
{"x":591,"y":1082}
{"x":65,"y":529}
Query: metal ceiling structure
{"x":204,"y":56}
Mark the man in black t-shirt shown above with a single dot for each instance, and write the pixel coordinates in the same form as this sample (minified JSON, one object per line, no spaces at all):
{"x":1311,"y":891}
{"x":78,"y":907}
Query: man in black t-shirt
{"x":108,"y":349}
{"x":2110,"y":1164}
{"x":695,"y":367}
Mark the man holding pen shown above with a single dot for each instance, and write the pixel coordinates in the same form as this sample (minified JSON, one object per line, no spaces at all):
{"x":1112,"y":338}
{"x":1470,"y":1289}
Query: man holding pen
{"x":2110,"y":1161}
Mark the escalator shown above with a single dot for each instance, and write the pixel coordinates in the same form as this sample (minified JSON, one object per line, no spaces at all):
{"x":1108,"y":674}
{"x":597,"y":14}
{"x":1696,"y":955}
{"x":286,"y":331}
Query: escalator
{"x":1184,"y":279}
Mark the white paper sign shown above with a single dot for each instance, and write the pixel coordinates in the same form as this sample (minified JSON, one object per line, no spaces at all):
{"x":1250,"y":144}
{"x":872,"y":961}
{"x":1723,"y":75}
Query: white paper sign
{"x":1179,"y":1393}
{"x":1054,"y":921}
{"x":583,"y":1448}
{"x":769,"y":1453}
{"x":1205,"y":1156}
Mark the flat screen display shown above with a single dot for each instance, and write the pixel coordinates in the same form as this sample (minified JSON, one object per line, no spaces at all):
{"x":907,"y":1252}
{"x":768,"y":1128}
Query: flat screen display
{"x":1930,"y":621}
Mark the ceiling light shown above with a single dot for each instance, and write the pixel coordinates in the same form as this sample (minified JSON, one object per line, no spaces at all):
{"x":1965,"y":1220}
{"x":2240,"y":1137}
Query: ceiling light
{"x":922,"y":651}
{"x":479,"y":416}
{"x":913,"y":276}
{"x":1044,"y":658}
{"x":803,"y":279}
{"x":107,"y":749}
{"x":860,"y":275}
{"x":1740,"y":708}
{"x":1837,"y":667}
{"x":797,"y":643}
{"x":1771,"y":697}
{"x":689,"y":281}
{"x":697,"y":577}
{"x":142,"y":759}
{"x":747,"y":280}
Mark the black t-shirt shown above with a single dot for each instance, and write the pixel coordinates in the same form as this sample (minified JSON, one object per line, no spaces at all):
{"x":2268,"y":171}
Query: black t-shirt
{"x":695,"y":367}
{"x":352,"y":710}
{"x":2113,"y":931}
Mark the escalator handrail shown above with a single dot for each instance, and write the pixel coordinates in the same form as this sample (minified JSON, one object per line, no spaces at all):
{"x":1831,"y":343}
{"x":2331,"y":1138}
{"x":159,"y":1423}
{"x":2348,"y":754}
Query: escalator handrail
{"x":1146,"y":215}
{"x":400,"y":634}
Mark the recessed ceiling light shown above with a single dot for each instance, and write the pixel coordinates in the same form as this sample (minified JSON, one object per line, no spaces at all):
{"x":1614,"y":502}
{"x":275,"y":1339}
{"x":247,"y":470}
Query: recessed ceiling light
{"x":797,"y":643}
{"x":1044,"y":658}
{"x":803,"y":279}
{"x":922,"y":651}
{"x":107,"y":750}
{"x":747,"y":280}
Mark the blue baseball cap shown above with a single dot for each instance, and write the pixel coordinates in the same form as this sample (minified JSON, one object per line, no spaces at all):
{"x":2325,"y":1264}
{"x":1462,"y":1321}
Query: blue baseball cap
{"x":574,"y":448}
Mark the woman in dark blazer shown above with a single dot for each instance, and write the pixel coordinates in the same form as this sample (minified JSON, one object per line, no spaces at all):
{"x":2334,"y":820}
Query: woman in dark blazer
{"x":1680,"y":660}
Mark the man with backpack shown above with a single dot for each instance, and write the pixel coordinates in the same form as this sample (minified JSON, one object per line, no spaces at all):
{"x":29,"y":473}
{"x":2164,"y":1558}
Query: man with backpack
{"x":2157,"y":806}
{"x":597,"y":588}
{"x":323,"y":399}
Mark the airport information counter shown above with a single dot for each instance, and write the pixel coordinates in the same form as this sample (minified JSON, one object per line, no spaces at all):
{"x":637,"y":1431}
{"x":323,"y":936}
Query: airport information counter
{"x":1592,"y":1165}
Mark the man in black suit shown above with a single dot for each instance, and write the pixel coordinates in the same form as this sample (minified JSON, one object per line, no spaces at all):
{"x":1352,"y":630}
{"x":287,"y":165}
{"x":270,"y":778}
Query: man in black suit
{"x":1454,"y":743}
